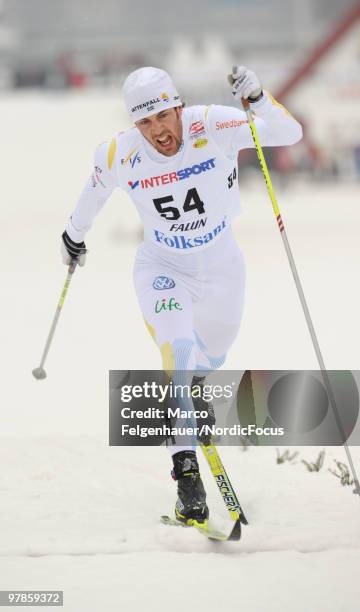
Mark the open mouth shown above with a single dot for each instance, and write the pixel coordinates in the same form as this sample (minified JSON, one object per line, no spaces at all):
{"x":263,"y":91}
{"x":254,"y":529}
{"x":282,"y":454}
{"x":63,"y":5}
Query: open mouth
{"x":165,"y":141}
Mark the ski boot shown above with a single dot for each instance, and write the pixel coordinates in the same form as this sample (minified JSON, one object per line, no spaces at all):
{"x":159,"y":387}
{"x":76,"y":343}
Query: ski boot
{"x":203,"y":406}
{"x":191,"y":502}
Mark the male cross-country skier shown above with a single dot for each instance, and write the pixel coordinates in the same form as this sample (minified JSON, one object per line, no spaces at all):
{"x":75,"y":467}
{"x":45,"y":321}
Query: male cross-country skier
{"x":179,"y":167}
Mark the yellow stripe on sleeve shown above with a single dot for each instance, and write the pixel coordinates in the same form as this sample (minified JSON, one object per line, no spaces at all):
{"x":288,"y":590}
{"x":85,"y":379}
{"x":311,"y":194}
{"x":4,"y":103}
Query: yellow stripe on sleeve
{"x":128,"y":157}
{"x":111,"y":153}
{"x":276,"y":103}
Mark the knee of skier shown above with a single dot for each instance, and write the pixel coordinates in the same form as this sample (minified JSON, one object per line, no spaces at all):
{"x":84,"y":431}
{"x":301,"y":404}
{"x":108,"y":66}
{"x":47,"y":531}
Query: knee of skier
{"x":204,"y":360}
{"x":205,"y":363}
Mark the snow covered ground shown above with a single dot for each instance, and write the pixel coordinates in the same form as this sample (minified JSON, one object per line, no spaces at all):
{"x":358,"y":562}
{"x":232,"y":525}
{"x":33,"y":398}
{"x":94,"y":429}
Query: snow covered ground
{"x":80,"y":516}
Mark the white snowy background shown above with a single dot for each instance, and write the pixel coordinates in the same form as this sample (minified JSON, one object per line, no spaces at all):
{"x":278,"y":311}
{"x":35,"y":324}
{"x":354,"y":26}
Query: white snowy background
{"x":79,"y":516}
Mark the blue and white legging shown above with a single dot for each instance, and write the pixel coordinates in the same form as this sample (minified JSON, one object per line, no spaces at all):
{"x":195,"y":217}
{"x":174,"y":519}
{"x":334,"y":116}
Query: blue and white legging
{"x":192,"y":314}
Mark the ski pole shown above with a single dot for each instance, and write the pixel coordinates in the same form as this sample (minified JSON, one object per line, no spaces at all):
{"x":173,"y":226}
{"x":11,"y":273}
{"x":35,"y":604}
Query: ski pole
{"x":39,"y":373}
{"x":223,"y":483}
{"x":299,"y":288}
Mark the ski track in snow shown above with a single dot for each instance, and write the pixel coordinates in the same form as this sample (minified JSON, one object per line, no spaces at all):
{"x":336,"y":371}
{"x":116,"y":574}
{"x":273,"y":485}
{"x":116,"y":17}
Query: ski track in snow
{"x":66,"y":496}
{"x":80,"y":516}
{"x":74,"y":509}
{"x":76,"y":496}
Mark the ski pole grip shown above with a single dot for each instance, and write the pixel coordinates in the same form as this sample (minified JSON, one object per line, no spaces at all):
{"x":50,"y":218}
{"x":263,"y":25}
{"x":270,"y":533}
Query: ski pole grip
{"x":246,"y":104}
{"x":72,"y":266}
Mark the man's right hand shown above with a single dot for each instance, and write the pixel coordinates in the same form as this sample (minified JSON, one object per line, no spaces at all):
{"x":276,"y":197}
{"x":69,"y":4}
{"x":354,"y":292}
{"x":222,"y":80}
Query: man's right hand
{"x":245,"y":84}
{"x":71,"y":250}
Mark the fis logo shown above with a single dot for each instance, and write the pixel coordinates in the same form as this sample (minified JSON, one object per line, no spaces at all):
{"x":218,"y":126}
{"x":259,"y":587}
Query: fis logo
{"x":165,"y":97}
{"x":163,"y":282}
{"x":133,"y":159}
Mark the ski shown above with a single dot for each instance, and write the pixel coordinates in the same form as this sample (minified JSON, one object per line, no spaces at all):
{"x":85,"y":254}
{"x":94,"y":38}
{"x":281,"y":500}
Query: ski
{"x":223,"y":483}
{"x":206,"y":529}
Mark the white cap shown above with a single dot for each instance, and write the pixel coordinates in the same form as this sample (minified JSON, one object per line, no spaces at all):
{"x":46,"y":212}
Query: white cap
{"x":149,"y":90}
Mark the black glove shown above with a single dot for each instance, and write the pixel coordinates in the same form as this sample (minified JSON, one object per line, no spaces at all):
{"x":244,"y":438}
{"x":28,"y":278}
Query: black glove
{"x":71,"y":250}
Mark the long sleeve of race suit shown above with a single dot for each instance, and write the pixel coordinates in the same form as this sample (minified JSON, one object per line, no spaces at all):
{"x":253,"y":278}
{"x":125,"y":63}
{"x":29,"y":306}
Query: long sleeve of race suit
{"x":97,"y":190}
{"x":275,"y":126}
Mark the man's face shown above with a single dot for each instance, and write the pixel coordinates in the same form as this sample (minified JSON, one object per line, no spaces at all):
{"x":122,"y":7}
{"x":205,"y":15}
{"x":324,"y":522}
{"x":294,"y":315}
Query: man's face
{"x":163,"y":130}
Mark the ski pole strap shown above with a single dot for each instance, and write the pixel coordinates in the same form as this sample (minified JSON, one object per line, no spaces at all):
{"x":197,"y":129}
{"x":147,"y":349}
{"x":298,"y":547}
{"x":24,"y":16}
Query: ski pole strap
{"x":223,"y":483}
